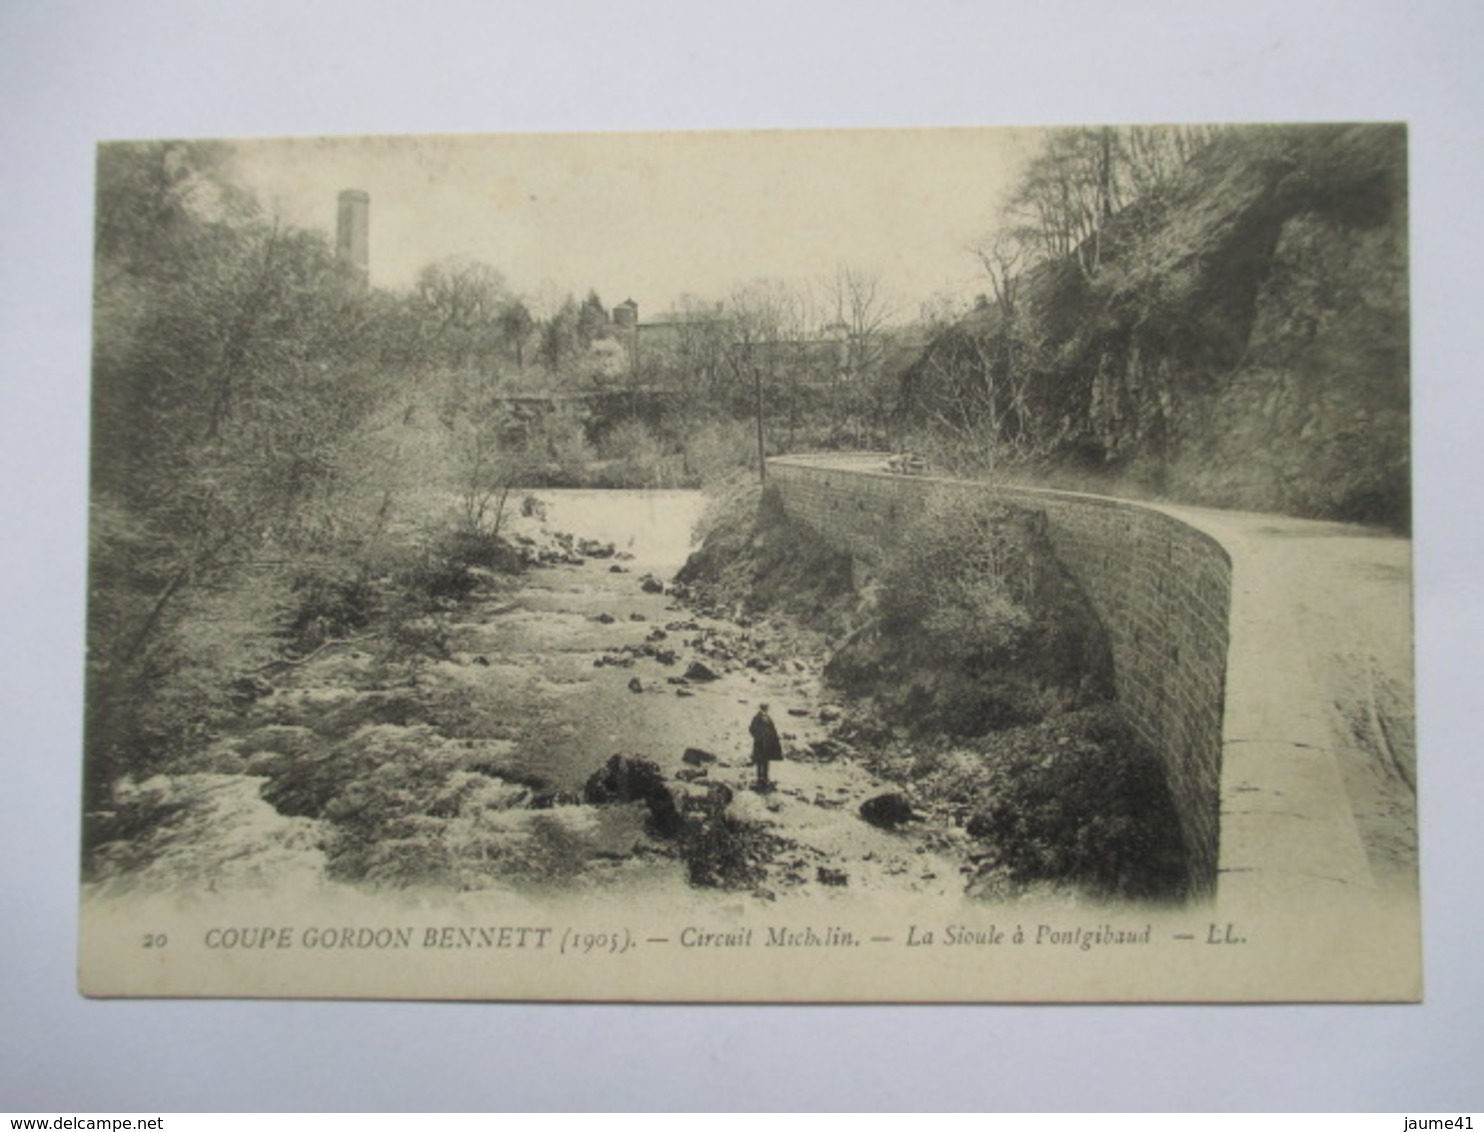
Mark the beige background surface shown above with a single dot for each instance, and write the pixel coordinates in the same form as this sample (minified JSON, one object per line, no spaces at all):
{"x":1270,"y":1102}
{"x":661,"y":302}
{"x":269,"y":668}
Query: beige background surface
{"x":74,"y":75}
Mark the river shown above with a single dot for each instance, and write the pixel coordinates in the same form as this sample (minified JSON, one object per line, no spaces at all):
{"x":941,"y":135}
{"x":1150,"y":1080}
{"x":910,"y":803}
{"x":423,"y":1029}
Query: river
{"x":539,"y":680}
{"x":568,"y":708}
{"x":548,"y":648}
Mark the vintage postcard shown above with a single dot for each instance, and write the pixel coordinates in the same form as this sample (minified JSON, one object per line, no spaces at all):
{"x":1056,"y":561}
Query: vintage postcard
{"x":919,"y":565}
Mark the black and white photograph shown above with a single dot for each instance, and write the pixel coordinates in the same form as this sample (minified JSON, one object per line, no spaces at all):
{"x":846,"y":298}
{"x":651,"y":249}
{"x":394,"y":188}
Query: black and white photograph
{"x":852,"y":565}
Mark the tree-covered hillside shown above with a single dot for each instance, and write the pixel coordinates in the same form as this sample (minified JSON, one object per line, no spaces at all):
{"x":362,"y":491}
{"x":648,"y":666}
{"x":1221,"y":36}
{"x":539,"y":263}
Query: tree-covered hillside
{"x":1217,"y":316}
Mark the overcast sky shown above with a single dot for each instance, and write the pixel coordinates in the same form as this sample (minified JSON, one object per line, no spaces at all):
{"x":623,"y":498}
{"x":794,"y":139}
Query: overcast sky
{"x":654,"y":216}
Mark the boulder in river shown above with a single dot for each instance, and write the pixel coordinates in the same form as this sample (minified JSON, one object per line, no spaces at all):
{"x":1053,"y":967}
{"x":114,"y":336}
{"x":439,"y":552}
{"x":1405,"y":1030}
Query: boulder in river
{"x":887,"y":811}
{"x":626,"y":779}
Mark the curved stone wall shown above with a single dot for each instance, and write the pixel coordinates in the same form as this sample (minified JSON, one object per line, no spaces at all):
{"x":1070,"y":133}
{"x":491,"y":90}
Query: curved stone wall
{"x":1162,"y":588}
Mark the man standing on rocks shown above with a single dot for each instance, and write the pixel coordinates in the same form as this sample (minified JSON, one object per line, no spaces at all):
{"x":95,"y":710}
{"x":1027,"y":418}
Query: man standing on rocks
{"x":765,"y":746}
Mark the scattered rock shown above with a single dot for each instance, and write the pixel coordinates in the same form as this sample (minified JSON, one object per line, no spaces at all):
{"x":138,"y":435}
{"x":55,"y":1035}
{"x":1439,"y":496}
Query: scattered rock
{"x":798,"y":711}
{"x":592,"y":548}
{"x":656,"y":634}
{"x":827,"y":750}
{"x":694,"y":756}
{"x":700,"y":672}
{"x":249,"y":689}
{"x":829,"y":714}
{"x":482,"y":661}
{"x":636,"y":685}
{"x":837,"y":878}
{"x":651,"y":585}
{"x":692,"y":773}
{"x":606,"y":618}
{"x":637,"y":617}
{"x":887,"y":811}
{"x":684,"y":693}
{"x":617,"y":569}
{"x":719,"y":849}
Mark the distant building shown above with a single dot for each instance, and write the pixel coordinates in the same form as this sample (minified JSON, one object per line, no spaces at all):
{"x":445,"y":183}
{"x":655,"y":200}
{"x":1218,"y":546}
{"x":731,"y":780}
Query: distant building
{"x":626,"y":315}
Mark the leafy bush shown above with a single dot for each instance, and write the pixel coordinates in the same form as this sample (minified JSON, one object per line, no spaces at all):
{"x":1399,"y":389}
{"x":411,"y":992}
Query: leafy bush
{"x":714,"y":449}
{"x":334,"y":601}
{"x":964,"y":575}
{"x":978,"y":625}
{"x":448,"y":568}
{"x":1082,"y":803}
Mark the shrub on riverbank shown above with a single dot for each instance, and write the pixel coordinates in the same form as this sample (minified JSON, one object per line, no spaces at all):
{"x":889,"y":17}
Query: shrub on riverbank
{"x":977,"y":626}
{"x":1073,"y":803}
{"x":754,"y":558}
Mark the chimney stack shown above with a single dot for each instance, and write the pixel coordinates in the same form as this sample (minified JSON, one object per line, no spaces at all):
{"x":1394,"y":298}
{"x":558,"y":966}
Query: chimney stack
{"x":353,"y":234}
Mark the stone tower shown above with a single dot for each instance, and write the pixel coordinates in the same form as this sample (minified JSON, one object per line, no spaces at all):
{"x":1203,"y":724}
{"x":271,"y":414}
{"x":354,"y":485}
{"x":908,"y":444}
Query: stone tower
{"x":353,"y":234}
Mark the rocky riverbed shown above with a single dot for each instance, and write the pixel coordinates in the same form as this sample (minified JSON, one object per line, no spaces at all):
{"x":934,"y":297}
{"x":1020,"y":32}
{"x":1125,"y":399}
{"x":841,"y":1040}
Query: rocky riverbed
{"x":462,"y":753}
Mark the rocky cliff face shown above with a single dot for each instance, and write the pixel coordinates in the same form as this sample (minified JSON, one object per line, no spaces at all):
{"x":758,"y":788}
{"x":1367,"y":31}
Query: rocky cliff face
{"x":1242,"y":340}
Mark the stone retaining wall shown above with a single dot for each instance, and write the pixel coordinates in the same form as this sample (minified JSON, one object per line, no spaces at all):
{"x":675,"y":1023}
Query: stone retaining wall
{"x":1162,"y":588}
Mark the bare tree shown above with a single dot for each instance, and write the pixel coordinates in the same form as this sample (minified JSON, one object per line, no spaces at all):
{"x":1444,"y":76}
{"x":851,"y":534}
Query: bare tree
{"x":1082,"y":178}
{"x":1003,"y":255}
{"x":863,"y":313}
{"x":462,"y":302}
